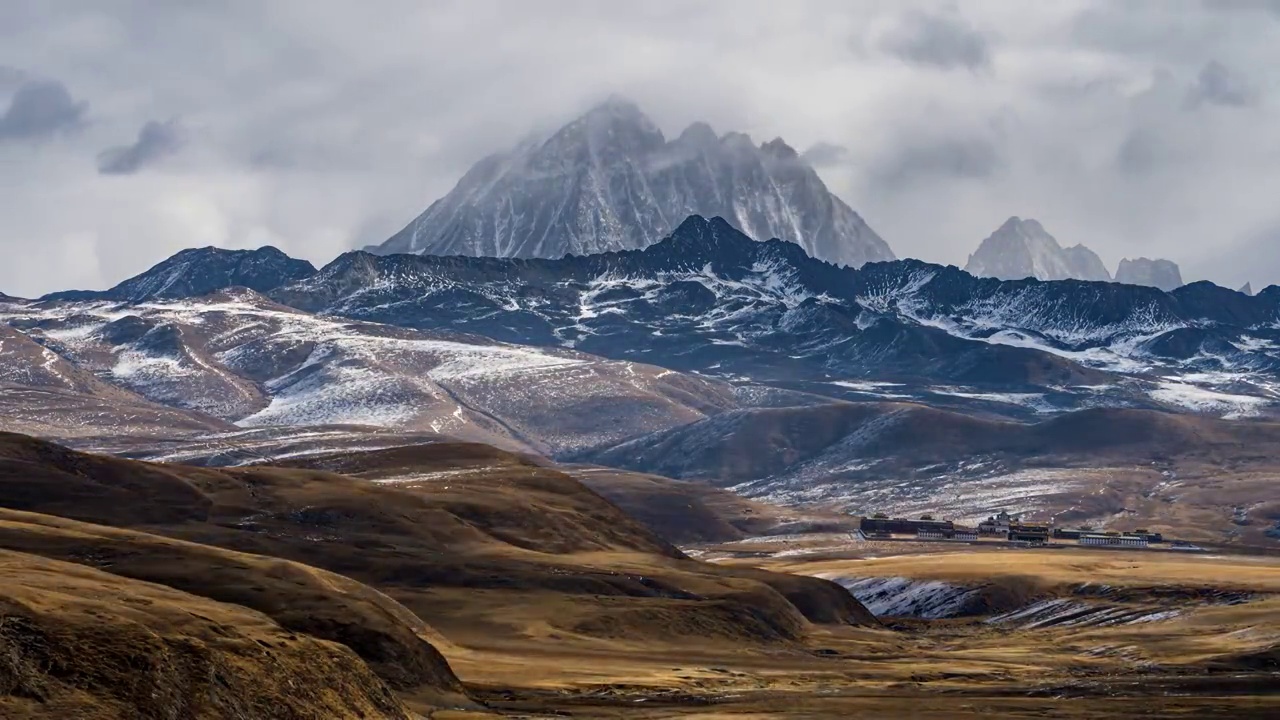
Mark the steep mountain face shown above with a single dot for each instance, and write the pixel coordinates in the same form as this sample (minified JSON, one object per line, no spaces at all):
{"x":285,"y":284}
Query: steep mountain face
{"x":200,"y":271}
{"x":611,"y":181}
{"x":1163,"y":274}
{"x":1023,"y":249}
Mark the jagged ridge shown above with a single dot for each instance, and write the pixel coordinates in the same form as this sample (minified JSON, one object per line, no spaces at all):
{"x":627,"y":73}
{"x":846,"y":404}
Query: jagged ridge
{"x":610,"y":180}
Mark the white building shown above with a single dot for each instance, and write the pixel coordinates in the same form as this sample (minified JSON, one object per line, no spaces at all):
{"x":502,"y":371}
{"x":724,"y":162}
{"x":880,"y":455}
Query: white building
{"x":1113,"y":540}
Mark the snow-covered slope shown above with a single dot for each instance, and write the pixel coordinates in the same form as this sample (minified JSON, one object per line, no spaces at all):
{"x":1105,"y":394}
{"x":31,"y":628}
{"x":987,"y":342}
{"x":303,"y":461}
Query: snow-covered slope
{"x":240,"y":357}
{"x":1023,"y":249}
{"x":610,"y":180}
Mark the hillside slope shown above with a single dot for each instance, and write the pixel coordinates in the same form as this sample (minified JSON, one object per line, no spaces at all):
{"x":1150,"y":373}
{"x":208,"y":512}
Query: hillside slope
{"x":438,"y":528}
{"x":77,"y":642}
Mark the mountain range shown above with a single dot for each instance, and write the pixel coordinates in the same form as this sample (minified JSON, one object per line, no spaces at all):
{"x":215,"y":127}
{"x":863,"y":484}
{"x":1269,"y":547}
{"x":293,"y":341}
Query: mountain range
{"x":711,"y":302}
{"x":707,"y":355}
{"x":610,"y":180}
{"x":1024,"y":249}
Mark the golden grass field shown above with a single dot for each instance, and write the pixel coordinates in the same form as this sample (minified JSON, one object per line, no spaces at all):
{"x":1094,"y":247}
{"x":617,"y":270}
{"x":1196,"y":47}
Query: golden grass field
{"x":457,"y":581}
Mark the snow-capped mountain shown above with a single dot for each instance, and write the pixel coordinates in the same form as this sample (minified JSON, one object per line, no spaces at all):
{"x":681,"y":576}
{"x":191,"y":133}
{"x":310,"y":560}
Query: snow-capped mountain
{"x":1023,"y":249}
{"x":610,"y":180}
{"x":1163,"y":274}
{"x":765,"y":316}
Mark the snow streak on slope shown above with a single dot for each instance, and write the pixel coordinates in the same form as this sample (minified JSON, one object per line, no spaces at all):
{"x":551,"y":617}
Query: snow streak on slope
{"x":904,"y":597}
{"x":240,"y":357}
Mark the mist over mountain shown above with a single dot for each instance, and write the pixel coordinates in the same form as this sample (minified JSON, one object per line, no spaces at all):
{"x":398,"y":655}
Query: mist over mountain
{"x":1163,"y":274}
{"x":1024,"y":249}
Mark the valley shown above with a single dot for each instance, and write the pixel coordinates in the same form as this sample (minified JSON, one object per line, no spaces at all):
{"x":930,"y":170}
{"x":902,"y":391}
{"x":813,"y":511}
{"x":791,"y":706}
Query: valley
{"x":473,"y":582}
{"x":390,"y":362}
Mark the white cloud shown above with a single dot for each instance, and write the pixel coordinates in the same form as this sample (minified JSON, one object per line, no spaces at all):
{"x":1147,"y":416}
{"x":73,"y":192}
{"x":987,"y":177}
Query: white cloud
{"x":321,"y":125}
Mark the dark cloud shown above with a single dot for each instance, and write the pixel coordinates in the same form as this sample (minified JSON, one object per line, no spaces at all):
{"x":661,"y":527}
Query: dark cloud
{"x":156,"y":140}
{"x":1219,"y":85}
{"x":825,"y":154}
{"x":952,"y":158}
{"x":943,"y":41}
{"x":40,"y":108}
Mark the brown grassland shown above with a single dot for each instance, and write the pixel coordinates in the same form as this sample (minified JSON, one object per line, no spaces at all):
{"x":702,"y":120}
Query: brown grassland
{"x":453,"y":580}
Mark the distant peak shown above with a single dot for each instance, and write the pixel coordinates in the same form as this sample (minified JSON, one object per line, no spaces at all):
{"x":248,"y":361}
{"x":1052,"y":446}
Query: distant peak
{"x":705,"y":231}
{"x":208,"y":250}
{"x":738,"y":138}
{"x":617,"y":100}
{"x":1163,"y":274}
{"x":616,"y":117}
{"x":693,"y":223}
{"x":699,"y":133}
{"x":778,"y":148}
{"x":1020,"y":227}
{"x":616,"y":106}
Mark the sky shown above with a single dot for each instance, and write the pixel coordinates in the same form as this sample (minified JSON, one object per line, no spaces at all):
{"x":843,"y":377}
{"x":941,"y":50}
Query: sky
{"x":131,"y":129}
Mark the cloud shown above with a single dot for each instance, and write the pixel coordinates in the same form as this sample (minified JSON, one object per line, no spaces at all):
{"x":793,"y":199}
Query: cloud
{"x":10,"y":78}
{"x":1218,"y":85}
{"x":39,"y":109}
{"x":949,"y":158}
{"x":329,"y":125}
{"x":825,"y":154}
{"x":941,"y":41}
{"x":156,"y":140}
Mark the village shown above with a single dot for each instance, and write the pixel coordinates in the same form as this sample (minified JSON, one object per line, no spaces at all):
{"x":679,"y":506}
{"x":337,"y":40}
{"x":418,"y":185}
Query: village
{"x":1007,"y":528}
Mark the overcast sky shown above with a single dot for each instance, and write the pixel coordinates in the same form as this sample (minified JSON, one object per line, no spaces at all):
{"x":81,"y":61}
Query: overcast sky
{"x":130,"y":129}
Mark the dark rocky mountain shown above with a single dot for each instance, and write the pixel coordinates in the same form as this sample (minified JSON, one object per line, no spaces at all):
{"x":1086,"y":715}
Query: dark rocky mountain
{"x":1163,"y":274}
{"x":773,"y":321}
{"x":200,"y":271}
{"x":610,"y":181}
{"x":708,"y":299}
{"x":1023,"y":249}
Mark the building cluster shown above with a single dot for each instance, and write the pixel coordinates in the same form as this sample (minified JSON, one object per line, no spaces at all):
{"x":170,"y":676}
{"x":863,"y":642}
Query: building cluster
{"x":926,"y":527}
{"x":1003,"y":526}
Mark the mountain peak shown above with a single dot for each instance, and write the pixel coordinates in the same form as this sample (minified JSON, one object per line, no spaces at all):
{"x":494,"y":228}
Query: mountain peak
{"x":699,"y":133}
{"x":778,"y":148}
{"x":199,"y":271}
{"x":1016,"y":224}
{"x":616,"y":103}
{"x":1163,"y":274}
{"x":618,"y":110}
{"x":609,"y":181}
{"x":1022,"y":248}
